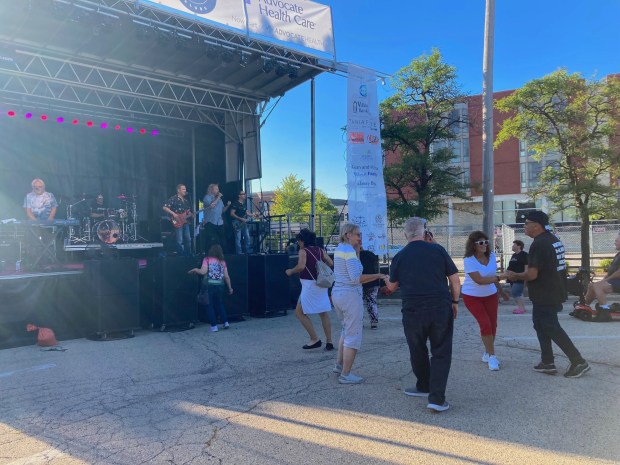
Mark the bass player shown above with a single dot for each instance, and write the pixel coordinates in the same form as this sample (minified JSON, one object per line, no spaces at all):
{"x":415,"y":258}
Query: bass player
{"x":180,"y":210}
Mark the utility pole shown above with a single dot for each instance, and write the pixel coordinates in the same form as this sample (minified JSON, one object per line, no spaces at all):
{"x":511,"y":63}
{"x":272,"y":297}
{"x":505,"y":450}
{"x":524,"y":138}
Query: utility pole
{"x":312,"y":158}
{"x":488,"y":224}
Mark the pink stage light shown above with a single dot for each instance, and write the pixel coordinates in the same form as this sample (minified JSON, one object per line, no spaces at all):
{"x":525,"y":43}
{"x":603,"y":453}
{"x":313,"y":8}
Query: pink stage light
{"x":104,"y":125}
{"x":11,"y":113}
{"x":154,"y":132}
{"x":28,"y":115}
{"x":60,"y":119}
{"x":76,"y":121}
{"x":142,"y":131}
{"x":117,"y":127}
{"x":129,"y":129}
{"x":89,"y":124}
{"x":44,"y":117}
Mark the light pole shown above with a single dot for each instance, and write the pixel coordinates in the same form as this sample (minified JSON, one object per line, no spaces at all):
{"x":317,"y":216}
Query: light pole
{"x":488,"y":225}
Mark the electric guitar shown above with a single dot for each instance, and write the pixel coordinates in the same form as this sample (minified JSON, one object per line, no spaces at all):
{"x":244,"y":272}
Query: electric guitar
{"x":182,"y":219}
{"x":238,"y":224}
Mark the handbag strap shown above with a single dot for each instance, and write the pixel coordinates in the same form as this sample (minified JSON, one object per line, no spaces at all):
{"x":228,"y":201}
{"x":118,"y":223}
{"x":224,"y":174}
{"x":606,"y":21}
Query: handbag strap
{"x":313,"y":256}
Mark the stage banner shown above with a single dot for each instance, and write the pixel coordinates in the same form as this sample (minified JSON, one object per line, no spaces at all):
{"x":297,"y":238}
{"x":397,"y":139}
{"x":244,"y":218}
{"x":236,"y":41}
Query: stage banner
{"x":365,"y":186}
{"x":302,"y":22}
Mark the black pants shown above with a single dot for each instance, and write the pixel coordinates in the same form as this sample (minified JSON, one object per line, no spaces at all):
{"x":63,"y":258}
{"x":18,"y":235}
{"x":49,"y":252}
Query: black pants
{"x":435,"y":323}
{"x":214,"y":235}
{"x":548,"y":329}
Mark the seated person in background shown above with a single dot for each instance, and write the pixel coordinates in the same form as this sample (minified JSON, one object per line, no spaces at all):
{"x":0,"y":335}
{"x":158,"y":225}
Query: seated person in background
{"x":610,"y":283}
{"x":98,"y":207}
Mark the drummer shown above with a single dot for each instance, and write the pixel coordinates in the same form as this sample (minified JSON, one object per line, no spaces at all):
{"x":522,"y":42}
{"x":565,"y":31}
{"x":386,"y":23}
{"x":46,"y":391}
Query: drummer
{"x":98,"y":207}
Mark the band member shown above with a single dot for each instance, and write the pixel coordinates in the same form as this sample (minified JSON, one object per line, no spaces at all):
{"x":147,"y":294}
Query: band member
{"x":240,"y":215}
{"x":213,"y":209}
{"x":98,"y":207}
{"x":180,"y":210}
{"x":39,"y":204}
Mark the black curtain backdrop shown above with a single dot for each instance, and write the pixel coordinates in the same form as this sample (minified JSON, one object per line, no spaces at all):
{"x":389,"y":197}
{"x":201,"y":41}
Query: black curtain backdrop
{"x":77,"y":159}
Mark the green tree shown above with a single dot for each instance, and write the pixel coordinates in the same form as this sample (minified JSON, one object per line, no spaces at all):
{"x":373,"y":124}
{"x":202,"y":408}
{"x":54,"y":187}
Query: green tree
{"x":419,"y":122}
{"x":569,"y":123}
{"x":293,"y":197}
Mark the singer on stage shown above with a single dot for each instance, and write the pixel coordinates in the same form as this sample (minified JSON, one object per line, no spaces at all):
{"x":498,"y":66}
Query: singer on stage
{"x":212,"y":221}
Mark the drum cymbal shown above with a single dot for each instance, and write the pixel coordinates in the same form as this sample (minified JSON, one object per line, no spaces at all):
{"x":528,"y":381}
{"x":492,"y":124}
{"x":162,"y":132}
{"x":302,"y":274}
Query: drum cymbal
{"x":126,"y":197}
{"x":83,"y":196}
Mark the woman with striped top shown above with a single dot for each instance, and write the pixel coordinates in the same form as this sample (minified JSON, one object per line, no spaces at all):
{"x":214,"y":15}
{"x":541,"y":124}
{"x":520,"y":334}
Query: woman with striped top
{"x":347,"y":299}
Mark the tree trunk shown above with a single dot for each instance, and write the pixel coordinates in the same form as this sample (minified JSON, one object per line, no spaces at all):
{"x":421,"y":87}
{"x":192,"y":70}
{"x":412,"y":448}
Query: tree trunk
{"x":585,"y":238}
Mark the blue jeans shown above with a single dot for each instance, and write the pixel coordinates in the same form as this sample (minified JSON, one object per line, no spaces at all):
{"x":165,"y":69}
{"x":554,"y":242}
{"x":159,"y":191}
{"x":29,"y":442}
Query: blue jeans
{"x":216,"y":304}
{"x":548,"y":329}
{"x":433,"y":322}
{"x":184,"y":240}
{"x":246,"y":239}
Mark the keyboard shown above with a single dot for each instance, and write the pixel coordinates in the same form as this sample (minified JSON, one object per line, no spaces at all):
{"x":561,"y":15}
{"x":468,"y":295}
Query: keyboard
{"x":68,"y":222}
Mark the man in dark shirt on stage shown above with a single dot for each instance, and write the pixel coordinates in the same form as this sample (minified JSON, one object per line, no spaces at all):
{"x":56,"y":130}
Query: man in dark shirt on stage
{"x":180,"y":210}
{"x":423,"y":270}
{"x":98,"y":208}
{"x":239,"y":215}
{"x":545,"y":277}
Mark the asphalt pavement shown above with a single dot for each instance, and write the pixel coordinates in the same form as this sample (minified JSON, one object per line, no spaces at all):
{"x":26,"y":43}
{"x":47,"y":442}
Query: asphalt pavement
{"x":251,"y":395}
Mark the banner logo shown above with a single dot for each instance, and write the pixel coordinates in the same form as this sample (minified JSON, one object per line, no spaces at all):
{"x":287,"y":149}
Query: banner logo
{"x":363,"y":90}
{"x":200,"y":6}
{"x":372,"y":139}
{"x":356,"y":137}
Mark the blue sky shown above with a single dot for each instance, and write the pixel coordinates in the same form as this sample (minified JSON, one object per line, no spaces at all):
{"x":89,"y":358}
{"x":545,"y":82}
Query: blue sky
{"x":532,"y":38}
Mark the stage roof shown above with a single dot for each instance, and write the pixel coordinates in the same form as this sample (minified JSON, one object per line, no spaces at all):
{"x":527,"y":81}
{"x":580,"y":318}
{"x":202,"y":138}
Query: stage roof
{"x":120,"y":59}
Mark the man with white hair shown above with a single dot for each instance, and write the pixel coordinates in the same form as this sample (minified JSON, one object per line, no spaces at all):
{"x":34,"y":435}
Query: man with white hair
{"x":39,"y":204}
{"x":423,"y":270}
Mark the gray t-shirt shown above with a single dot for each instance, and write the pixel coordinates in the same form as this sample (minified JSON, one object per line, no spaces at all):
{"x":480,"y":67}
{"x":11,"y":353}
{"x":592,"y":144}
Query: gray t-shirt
{"x":213,"y":214}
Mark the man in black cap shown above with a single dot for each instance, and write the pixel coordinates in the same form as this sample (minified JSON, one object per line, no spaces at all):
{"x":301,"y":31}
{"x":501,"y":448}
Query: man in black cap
{"x":545,"y":276}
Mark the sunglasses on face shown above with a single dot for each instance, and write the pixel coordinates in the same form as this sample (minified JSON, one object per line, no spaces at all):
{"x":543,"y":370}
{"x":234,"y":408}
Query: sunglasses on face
{"x":485,"y":242}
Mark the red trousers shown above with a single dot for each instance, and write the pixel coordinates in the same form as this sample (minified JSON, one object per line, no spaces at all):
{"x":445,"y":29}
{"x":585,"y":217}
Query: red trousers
{"x":484,"y":310}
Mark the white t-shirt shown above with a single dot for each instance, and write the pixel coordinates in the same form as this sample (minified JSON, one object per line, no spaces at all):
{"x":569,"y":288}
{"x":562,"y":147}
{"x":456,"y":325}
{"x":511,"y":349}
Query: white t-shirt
{"x":469,"y":287}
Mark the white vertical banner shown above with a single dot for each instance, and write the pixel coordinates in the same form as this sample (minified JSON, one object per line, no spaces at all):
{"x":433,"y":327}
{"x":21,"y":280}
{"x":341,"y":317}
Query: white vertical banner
{"x":365,"y":186}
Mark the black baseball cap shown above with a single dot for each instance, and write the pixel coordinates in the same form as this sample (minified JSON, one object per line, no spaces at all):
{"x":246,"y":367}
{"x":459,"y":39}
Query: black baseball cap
{"x":539,"y":217}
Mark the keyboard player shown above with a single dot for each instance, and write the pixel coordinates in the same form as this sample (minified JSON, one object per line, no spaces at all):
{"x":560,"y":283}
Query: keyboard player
{"x":40,"y":204}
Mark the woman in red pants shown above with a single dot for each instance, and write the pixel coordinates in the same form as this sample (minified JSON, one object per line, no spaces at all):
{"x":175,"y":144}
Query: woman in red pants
{"x":480,"y":292}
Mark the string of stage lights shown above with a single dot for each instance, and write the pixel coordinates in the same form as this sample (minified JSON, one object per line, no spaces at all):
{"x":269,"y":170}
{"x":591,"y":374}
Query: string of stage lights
{"x":88,"y":123}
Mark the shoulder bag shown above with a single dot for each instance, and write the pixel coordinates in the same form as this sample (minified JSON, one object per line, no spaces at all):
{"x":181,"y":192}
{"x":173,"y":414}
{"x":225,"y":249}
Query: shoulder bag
{"x":324,"y":274}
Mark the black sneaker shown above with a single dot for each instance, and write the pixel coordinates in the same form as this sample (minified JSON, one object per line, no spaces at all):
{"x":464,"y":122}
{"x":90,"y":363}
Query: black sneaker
{"x":577,"y":369}
{"x":547,"y":368}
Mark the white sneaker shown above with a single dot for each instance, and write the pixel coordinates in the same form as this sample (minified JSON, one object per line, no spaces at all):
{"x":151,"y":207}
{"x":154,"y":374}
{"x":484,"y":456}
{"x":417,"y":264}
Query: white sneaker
{"x":214,"y":329}
{"x":485,"y":357}
{"x":350,"y":379}
{"x":337,"y":368}
{"x":493,"y":363}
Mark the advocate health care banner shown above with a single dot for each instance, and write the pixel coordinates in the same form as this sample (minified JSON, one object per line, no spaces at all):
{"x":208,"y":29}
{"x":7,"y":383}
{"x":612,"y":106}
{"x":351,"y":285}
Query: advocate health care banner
{"x":302,"y":22}
{"x":365,"y":186}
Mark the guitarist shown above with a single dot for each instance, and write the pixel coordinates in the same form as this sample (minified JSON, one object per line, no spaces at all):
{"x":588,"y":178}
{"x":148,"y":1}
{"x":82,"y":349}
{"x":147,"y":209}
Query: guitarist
{"x":180,"y":210}
{"x":239,"y":215}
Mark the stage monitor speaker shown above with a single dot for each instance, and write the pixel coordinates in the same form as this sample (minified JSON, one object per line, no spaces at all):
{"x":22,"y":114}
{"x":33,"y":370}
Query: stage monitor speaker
{"x":111,"y":291}
{"x":269,"y":285}
{"x":168,"y":293}
{"x":237,"y":303}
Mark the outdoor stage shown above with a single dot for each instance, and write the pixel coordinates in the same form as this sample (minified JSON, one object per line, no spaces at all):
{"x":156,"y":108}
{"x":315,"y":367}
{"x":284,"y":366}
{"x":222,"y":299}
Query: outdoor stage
{"x":102,"y":299}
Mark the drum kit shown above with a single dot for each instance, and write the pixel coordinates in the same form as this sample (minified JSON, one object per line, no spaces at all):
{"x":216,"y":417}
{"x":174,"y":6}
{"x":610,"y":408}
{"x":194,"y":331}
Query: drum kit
{"x":109,"y":225}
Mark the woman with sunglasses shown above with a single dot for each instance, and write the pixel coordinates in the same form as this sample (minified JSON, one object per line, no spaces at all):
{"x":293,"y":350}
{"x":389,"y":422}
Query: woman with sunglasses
{"x":480,"y":291}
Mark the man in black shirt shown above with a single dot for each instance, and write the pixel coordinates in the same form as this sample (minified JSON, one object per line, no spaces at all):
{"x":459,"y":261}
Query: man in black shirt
{"x":179,"y":209}
{"x":545,"y":277}
{"x":98,"y":208}
{"x":429,"y":308}
{"x":239,"y":215}
{"x":518,"y":264}
{"x":610,"y":283}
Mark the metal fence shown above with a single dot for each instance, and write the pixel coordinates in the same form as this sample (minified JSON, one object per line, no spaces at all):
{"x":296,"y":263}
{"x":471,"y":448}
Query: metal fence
{"x":283,"y":228}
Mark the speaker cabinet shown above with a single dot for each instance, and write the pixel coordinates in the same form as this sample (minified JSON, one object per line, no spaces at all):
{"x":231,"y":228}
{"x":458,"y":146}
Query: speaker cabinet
{"x":237,"y":303}
{"x":168,"y":293}
{"x":111,"y":290}
{"x":268,"y":285}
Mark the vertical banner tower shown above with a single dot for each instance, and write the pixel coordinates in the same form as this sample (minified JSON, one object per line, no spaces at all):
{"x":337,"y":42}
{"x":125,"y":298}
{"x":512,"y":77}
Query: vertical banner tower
{"x":365,"y":186}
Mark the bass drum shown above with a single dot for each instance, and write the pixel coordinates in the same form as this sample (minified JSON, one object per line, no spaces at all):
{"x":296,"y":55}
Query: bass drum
{"x":108,"y":231}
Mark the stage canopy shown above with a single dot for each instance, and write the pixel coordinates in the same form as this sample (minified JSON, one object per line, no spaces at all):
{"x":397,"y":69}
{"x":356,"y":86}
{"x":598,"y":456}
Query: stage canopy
{"x":135,"y":62}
